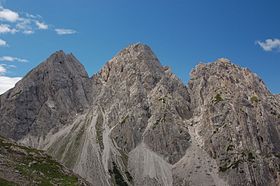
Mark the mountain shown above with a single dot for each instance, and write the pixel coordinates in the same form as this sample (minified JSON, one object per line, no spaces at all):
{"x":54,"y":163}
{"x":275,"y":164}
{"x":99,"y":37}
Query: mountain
{"x":136,"y":123}
{"x":22,"y":165}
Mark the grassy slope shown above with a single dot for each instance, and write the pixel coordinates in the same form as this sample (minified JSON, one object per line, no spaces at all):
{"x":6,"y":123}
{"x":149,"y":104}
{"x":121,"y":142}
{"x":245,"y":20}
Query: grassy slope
{"x":21,"y":165}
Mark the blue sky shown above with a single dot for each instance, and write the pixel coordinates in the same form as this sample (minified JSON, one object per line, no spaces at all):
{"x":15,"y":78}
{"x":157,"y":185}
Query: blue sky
{"x":182,"y":33}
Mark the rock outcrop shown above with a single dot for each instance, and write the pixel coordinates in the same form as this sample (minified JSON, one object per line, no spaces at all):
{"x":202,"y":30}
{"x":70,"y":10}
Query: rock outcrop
{"x":136,"y":123}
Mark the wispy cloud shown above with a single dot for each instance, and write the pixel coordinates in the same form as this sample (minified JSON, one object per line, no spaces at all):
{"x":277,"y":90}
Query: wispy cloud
{"x":41,"y":25}
{"x":3,"y":70}
{"x":8,"y":15}
{"x":269,"y":44}
{"x":63,"y":31}
{"x":12,"y":59}
{"x":4,"y":28}
{"x":3,"y":42}
{"x":28,"y":32}
{"x":26,"y":23}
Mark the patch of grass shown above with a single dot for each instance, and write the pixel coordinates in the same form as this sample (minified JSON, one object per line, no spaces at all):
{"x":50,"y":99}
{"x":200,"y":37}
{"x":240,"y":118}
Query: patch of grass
{"x":118,"y":178}
{"x":233,"y":165}
{"x":254,"y":99}
{"x":218,"y":98}
{"x":129,"y":177}
{"x":6,"y":182}
{"x":276,"y":154}
{"x":36,"y":166}
{"x":46,"y":172}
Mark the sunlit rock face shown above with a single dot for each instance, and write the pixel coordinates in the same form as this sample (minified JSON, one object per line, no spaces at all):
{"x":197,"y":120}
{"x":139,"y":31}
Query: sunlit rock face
{"x":136,"y":123}
{"x":238,"y":122}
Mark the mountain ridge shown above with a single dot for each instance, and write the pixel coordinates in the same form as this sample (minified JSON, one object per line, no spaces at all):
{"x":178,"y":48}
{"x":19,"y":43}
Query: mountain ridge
{"x":135,"y":123}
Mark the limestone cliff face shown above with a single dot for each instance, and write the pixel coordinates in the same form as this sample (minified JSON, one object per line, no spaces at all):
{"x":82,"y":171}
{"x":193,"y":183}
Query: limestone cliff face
{"x":45,"y":99}
{"x":136,"y":123}
{"x":237,"y":121}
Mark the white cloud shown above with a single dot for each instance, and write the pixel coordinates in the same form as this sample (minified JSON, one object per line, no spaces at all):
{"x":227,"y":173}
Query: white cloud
{"x":28,"y":32}
{"x":3,"y":70}
{"x":269,"y":44}
{"x":12,"y":59}
{"x":23,"y":24}
{"x":7,"y":83}
{"x":26,"y":23}
{"x":8,"y":15}
{"x":63,"y":31}
{"x":3,"y":42}
{"x":4,"y":28}
{"x":41,"y":25}
{"x":33,"y":16}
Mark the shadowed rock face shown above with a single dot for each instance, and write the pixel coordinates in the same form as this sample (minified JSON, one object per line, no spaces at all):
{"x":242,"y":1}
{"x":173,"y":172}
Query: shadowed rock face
{"x":46,"y":98}
{"x":136,"y":123}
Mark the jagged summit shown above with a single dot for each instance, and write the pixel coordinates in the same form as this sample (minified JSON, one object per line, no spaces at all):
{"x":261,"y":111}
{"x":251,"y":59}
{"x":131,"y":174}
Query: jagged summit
{"x":136,"y":48}
{"x":137,"y":58}
{"x":224,"y":74}
{"x":136,"y":51}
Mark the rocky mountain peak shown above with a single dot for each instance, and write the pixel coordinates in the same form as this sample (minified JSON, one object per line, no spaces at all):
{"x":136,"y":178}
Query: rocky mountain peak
{"x":58,"y":87}
{"x":132,"y":62}
{"x":138,"y":50}
{"x":58,"y":54}
{"x":226,"y":78}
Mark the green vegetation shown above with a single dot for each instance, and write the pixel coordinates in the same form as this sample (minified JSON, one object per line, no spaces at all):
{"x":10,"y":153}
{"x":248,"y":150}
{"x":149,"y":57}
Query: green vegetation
{"x":218,"y":98}
{"x":250,"y":156}
{"x":276,"y":154}
{"x":34,"y":165}
{"x":46,"y":172}
{"x":254,"y":99}
{"x":118,"y":178}
{"x":6,"y":182}
{"x":124,"y":158}
{"x":232,"y":165}
{"x":129,"y":177}
{"x":246,"y":156}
